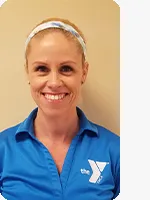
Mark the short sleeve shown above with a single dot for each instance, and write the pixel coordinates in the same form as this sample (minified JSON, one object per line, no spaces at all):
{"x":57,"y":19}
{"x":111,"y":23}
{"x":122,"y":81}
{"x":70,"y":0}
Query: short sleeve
{"x":117,"y":181}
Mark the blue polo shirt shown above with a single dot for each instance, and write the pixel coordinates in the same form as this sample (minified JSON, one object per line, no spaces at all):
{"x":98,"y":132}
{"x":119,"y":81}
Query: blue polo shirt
{"x":90,"y":170}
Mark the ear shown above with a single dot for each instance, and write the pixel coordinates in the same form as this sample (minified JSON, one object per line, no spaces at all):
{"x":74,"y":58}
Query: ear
{"x":85,"y":71}
{"x":27,"y":72}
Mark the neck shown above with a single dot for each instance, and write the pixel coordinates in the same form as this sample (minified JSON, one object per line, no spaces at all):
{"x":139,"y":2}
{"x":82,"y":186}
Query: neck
{"x":61,"y":128}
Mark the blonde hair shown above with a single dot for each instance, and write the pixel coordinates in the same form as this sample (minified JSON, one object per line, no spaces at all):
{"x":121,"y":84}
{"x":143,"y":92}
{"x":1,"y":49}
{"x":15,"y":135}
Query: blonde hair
{"x":68,"y":34}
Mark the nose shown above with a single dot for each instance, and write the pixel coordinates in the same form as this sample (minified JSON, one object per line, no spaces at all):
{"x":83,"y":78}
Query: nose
{"x":54,"y":81}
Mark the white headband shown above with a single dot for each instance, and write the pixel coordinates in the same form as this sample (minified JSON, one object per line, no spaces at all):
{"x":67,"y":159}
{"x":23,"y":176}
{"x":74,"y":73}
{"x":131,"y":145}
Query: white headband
{"x":57,"y":24}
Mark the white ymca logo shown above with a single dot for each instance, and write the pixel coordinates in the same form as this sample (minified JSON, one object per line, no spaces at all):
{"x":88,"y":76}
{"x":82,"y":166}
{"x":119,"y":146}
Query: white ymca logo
{"x":97,"y":168}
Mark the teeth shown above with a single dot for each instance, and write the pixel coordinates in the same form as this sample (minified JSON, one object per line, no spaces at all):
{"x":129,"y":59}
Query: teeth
{"x":54,"y":97}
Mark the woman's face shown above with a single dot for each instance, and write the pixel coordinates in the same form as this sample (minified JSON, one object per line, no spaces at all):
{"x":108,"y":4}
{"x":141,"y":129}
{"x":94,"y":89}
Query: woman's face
{"x":56,"y":72}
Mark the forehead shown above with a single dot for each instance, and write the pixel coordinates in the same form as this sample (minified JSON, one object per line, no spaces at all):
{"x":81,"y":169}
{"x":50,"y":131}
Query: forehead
{"x":53,"y":44}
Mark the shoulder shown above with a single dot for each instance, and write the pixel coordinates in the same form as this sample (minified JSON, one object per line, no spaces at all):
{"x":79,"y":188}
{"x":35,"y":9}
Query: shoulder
{"x":106,"y":135}
{"x":8,"y":133}
{"x":107,"y":141}
{"x":7,"y":137}
{"x":20,"y":127}
{"x":103,"y":133}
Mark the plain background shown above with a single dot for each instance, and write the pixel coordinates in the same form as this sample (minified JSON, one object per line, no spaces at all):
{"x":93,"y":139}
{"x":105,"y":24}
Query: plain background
{"x":99,"y":21}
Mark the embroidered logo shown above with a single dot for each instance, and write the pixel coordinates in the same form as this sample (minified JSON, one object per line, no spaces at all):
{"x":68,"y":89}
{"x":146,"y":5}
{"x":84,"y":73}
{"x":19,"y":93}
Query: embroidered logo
{"x":97,"y":168}
{"x":84,"y":171}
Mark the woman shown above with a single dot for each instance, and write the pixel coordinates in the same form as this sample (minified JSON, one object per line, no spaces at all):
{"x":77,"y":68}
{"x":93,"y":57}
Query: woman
{"x":57,"y":153}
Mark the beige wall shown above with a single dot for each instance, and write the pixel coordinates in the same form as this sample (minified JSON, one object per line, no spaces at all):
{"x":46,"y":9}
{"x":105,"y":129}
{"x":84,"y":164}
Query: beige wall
{"x":99,"y":21}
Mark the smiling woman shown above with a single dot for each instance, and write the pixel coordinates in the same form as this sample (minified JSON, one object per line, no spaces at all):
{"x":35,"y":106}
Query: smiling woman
{"x":56,"y":67}
{"x":57,"y":145}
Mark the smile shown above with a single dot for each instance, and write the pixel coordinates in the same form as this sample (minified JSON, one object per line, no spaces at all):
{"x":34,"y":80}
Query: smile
{"x":52,"y":97}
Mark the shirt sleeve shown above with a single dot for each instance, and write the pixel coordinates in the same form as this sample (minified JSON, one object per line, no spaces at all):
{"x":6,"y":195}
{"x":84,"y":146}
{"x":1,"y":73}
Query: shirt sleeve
{"x":117,"y":181}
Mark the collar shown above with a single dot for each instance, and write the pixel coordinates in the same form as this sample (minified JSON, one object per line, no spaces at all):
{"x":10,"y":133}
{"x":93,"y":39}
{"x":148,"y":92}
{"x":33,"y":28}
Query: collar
{"x":85,"y":125}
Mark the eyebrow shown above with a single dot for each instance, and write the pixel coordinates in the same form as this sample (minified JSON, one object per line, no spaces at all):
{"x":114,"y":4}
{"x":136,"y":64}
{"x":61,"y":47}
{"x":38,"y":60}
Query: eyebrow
{"x":62,"y":63}
{"x":39,"y":62}
{"x":68,"y":61}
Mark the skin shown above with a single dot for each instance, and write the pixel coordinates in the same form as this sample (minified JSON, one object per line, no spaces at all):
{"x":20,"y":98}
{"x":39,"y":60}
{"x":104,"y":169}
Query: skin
{"x":55,"y":66}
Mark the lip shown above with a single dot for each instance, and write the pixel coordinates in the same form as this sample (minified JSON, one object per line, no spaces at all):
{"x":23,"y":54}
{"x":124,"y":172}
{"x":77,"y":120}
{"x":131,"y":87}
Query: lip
{"x":50,"y":93}
{"x":54,"y":94}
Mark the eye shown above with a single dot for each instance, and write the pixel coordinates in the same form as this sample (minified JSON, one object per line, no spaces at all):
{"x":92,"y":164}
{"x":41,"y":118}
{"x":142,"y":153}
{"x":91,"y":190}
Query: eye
{"x":41,"y":69}
{"x":66,"y":69}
